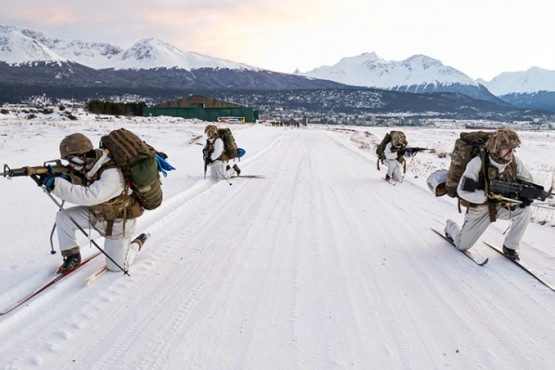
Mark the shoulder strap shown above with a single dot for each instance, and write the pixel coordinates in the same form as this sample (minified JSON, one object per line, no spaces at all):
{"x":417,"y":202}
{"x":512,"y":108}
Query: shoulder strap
{"x":483,"y":177}
{"x":484,"y":156}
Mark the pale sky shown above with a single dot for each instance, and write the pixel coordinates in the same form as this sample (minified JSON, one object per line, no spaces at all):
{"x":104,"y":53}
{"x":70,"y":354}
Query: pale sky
{"x":481,"y":38}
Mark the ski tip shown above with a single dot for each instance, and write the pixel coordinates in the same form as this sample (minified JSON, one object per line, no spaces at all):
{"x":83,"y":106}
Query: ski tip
{"x":141,"y":239}
{"x":143,"y":236}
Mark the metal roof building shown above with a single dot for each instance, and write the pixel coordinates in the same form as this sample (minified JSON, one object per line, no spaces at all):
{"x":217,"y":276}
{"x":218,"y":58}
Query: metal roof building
{"x":201,"y":107}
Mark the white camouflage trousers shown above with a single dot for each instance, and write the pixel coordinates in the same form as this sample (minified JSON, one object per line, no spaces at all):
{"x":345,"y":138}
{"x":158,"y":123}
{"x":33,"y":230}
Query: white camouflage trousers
{"x":476,"y":221}
{"x":117,"y":245}
{"x":218,"y":171}
{"x":394,"y":169}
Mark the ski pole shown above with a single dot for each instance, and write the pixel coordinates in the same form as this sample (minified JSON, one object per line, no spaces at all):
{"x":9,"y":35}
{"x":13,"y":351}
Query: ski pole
{"x":60,"y":206}
{"x":52,"y":250}
{"x":225,"y":178}
{"x":412,"y":159}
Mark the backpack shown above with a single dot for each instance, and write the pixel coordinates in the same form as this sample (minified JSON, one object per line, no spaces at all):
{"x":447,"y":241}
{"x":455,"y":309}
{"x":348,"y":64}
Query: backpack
{"x":398,"y":136}
{"x":230,"y":147}
{"x":137,"y":160}
{"x":466,"y":147}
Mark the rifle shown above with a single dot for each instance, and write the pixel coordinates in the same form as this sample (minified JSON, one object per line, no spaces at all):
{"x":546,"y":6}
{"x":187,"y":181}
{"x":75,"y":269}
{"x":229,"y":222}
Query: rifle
{"x":34,"y":172}
{"x":57,"y":168}
{"x":519,"y":192}
{"x":206,"y":152}
{"x":411,"y":150}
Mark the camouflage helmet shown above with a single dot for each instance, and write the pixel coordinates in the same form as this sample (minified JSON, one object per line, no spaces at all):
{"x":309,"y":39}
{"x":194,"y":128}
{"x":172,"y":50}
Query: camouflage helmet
{"x":211,"y":131}
{"x":398,"y":139}
{"x":502,"y":138}
{"x":75,"y":144}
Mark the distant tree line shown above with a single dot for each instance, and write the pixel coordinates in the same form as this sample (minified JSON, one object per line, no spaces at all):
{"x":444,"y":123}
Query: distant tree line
{"x":116,"y":109}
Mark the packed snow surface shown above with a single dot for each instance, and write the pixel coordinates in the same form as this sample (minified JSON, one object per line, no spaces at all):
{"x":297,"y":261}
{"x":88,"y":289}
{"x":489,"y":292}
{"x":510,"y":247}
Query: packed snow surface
{"x":320,"y":265}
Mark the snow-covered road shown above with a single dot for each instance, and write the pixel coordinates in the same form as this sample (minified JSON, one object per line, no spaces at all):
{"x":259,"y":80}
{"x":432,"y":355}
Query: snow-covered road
{"x":320,"y":265}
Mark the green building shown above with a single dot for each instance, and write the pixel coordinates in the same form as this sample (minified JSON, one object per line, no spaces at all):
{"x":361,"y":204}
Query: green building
{"x":204,"y":108}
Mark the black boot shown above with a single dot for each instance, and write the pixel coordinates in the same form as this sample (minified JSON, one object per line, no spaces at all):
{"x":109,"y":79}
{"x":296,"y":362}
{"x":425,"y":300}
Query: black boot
{"x":511,"y":253}
{"x":237,"y":169}
{"x":70,"y":262}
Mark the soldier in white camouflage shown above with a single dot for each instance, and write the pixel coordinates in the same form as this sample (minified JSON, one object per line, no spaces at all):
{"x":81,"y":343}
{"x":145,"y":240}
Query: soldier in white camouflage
{"x":394,"y":160}
{"x":216,"y":156}
{"x":495,"y":161}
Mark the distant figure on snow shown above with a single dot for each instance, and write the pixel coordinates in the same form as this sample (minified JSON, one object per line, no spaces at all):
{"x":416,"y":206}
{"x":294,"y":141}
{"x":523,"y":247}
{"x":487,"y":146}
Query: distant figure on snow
{"x":394,"y":160}
{"x":216,"y":155}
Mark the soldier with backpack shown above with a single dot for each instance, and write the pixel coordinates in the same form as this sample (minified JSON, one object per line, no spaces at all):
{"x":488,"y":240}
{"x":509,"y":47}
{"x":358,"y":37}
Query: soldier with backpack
{"x":495,"y":160}
{"x":104,"y":202}
{"x":390,"y":153}
{"x":220,"y":148}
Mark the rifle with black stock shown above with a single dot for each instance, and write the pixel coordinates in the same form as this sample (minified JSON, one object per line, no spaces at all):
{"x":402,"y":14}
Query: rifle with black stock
{"x":57,"y":168}
{"x":206,"y":152}
{"x":520,"y":192}
{"x":54,"y":166}
{"x":412,"y":150}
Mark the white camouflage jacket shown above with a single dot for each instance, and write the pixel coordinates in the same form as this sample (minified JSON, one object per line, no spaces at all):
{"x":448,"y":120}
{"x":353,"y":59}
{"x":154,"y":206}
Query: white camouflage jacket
{"x":472,"y":172}
{"x":218,"y":149}
{"x":109,"y":185}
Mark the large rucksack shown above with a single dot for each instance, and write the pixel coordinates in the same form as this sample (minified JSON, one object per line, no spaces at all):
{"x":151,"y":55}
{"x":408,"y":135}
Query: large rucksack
{"x":397,"y":135}
{"x":137,"y":160}
{"x":230,"y":147}
{"x":466,"y":147}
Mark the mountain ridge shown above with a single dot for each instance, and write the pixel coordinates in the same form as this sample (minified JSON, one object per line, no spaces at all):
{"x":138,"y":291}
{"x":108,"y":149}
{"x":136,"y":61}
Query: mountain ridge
{"x":31,"y":58}
{"x":148,"y":53}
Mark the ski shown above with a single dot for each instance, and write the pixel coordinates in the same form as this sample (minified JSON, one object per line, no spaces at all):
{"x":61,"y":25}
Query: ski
{"x":523,"y":266}
{"x":141,"y":239}
{"x":92,"y":278}
{"x":45,"y":286}
{"x":473,"y":255}
{"x":249,"y":177}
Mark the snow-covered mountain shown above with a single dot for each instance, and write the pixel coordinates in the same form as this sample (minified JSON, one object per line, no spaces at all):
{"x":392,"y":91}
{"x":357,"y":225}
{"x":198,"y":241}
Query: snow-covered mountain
{"x":417,"y":74}
{"x":370,"y":70}
{"x":153,"y":53}
{"x":31,"y":58}
{"x":533,"y":80}
{"x":96,"y":55}
{"x":531,"y":89}
{"x":19,"y":46}
{"x":31,"y":61}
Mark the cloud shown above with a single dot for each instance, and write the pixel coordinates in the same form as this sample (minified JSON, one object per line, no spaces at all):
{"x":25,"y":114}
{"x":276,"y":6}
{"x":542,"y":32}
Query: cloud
{"x":479,"y":38}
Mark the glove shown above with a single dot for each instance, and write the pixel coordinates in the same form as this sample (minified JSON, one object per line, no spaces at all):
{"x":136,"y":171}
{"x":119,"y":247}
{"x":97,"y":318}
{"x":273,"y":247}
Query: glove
{"x":163,"y":165}
{"x":525,"y":202}
{"x":495,"y":197}
{"x":47,"y":179}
